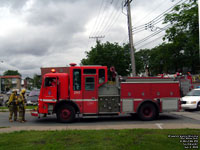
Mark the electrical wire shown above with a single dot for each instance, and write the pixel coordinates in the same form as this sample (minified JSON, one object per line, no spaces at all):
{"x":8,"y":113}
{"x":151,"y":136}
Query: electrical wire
{"x":102,"y":15}
{"x":100,"y":8}
{"x":150,"y":42}
{"x":153,"y":22}
{"x":106,"y":17}
{"x":152,"y":35}
{"x":112,"y":20}
{"x":159,"y":18}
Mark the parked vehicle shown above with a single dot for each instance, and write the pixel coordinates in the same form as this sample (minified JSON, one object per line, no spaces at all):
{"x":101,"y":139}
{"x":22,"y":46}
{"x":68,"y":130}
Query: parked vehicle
{"x":27,"y":93}
{"x":32,"y":99}
{"x":1,"y":100}
{"x":191,"y":100}
{"x":85,"y":91}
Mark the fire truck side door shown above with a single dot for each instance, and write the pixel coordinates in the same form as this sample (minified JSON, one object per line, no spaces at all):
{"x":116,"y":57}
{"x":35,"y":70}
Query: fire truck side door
{"x":90,"y":98}
{"x":50,"y":89}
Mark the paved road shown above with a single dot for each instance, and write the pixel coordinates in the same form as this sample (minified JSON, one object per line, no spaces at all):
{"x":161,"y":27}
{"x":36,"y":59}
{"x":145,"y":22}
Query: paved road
{"x":165,"y":121}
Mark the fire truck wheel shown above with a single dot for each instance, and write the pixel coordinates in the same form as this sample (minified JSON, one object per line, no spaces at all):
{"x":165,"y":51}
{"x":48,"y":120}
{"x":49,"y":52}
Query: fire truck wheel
{"x":147,"y":112}
{"x":66,"y":114}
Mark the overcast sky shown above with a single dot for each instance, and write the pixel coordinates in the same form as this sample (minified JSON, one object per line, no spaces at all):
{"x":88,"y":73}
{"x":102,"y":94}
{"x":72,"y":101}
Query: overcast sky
{"x":46,"y":33}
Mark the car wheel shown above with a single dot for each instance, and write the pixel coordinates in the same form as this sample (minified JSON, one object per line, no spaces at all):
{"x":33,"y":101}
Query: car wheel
{"x":198,"y":106}
{"x":66,"y":114}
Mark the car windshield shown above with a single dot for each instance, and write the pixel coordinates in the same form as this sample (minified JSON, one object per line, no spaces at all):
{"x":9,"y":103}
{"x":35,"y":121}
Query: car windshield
{"x":194,"y":93}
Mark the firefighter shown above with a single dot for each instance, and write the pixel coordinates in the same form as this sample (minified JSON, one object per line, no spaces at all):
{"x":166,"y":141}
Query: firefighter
{"x":12,"y":105}
{"x":22,"y":101}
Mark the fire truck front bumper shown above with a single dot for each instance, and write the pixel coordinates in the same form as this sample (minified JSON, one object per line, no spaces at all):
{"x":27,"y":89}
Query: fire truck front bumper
{"x":34,"y":113}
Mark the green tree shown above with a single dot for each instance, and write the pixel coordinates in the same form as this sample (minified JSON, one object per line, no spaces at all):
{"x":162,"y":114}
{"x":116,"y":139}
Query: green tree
{"x":109,"y":54}
{"x":29,"y":82}
{"x":142,"y":59}
{"x":11,"y":72}
{"x":36,"y":81}
{"x":184,"y":33}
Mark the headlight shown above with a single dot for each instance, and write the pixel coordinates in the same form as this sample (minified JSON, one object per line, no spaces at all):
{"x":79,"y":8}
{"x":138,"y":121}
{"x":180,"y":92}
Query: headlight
{"x":193,"y":102}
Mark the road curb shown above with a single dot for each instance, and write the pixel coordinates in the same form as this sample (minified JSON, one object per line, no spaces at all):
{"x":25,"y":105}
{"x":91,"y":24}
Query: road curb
{"x":7,"y":110}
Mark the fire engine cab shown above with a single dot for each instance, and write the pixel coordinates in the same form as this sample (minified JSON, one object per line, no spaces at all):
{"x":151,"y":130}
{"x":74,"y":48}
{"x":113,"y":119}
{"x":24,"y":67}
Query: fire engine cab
{"x":85,"y":91}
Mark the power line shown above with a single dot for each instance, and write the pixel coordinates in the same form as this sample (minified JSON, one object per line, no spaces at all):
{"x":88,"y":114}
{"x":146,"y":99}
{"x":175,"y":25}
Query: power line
{"x":97,"y":17}
{"x":152,"y":35}
{"x":154,"y":21}
{"x":102,"y":15}
{"x":112,"y":19}
{"x":157,"y":19}
{"x":106,"y":20}
{"x":150,"y":41}
{"x":155,"y":8}
{"x":162,"y":12}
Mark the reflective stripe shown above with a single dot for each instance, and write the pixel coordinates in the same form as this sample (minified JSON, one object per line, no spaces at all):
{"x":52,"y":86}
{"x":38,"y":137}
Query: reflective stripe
{"x":167,"y":98}
{"x":85,"y":100}
{"x":77,"y":100}
{"x":48,"y":100}
{"x":138,"y":99}
{"x":153,"y":81}
{"x":131,"y":99}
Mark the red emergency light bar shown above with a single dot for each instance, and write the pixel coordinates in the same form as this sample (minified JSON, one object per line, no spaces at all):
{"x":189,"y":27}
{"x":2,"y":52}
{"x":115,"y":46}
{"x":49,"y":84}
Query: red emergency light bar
{"x":72,"y":64}
{"x":53,"y":70}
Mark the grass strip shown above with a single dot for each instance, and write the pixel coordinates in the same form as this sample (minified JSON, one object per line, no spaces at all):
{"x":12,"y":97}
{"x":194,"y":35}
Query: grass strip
{"x":27,"y":107}
{"x":4,"y":127}
{"x":128,"y":139}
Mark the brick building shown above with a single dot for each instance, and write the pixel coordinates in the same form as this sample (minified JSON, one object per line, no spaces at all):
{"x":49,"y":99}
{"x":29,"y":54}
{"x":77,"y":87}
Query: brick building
{"x":58,"y":69}
{"x":10,"y":82}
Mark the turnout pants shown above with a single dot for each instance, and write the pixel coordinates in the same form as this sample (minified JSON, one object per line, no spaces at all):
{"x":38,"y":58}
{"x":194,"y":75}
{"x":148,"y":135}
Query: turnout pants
{"x":13,"y":110}
{"x":21,"y":114}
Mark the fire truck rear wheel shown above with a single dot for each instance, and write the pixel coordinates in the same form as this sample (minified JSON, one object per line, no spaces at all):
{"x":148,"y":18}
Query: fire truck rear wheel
{"x":66,"y":114}
{"x":147,"y":112}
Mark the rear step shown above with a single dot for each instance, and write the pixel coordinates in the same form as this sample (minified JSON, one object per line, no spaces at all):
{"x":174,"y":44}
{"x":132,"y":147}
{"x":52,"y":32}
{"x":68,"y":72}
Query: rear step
{"x":34,"y":113}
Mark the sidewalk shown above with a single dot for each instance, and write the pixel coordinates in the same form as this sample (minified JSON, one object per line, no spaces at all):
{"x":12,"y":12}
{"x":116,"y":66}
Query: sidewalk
{"x":100,"y":127}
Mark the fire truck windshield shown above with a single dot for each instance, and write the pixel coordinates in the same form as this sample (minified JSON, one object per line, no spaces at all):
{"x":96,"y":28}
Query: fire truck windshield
{"x":77,"y":80}
{"x":50,"y":82}
{"x":101,"y":76}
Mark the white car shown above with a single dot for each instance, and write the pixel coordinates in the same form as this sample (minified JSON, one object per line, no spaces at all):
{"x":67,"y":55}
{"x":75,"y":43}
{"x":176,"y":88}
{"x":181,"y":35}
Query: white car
{"x":191,"y":100}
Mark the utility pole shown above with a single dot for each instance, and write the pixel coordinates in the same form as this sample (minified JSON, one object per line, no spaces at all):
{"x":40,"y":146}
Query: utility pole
{"x":199,"y":32}
{"x":0,"y":78}
{"x":97,"y":38}
{"x":127,"y":4}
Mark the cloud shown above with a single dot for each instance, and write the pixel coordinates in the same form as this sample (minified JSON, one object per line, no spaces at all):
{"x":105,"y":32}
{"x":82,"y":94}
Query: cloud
{"x":13,"y":4}
{"x":44,"y":33}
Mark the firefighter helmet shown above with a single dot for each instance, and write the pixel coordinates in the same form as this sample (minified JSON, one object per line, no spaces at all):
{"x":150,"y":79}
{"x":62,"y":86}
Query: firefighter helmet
{"x":14,"y":90}
{"x":23,"y":91}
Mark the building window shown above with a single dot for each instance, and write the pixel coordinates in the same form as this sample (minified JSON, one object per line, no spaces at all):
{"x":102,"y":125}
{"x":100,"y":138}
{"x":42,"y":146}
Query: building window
{"x":89,"y":71}
{"x":101,"y":76}
{"x":89,"y":83}
{"x":14,"y":81}
{"x":2,"y":81}
{"x":61,"y":70}
{"x":77,"y":79}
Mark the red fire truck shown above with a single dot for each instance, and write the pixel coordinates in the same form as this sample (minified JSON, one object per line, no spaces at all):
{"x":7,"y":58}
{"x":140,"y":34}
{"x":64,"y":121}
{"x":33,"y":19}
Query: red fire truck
{"x":85,"y":91}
